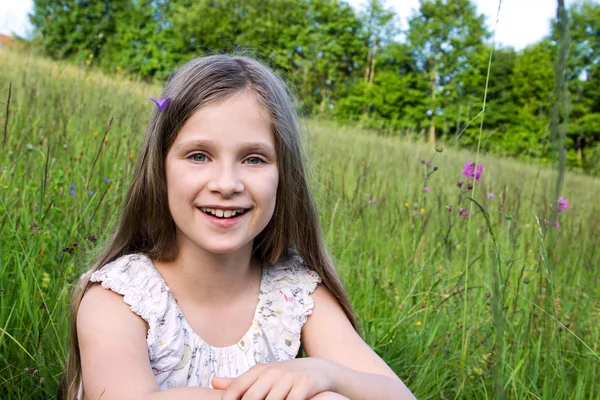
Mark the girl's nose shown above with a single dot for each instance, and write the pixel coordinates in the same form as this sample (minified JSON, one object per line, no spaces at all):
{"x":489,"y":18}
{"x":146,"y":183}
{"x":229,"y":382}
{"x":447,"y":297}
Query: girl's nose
{"x":226,"y":181}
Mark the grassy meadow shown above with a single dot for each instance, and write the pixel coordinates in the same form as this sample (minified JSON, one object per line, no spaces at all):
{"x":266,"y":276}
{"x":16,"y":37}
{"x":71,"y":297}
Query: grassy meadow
{"x":498,"y":304}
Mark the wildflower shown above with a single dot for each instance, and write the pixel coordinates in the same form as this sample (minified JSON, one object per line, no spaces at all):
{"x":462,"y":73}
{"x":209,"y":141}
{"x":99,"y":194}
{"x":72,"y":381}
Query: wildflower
{"x":91,"y":192}
{"x":95,"y":134}
{"x":72,"y":186}
{"x":105,"y":139}
{"x":422,"y":210}
{"x":563,"y":204}
{"x":72,"y":193}
{"x":449,"y":208}
{"x":556,"y":224}
{"x":427,"y":190}
{"x":459,"y":184}
{"x":463,"y":212}
{"x":106,"y":179}
{"x":470,"y":186}
{"x":470,"y":171}
{"x":491,"y":196}
{"x":131,"y":155}
{"x":418,"y":323}
{"x":41,"y":380}
{"x":5,"y":186}
{"x":406,"y":205}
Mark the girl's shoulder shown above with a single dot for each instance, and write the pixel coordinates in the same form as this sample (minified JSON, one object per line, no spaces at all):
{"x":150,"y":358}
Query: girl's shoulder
{"x":134,"y":277}
{"x":286,"y":298}
{"x":291,"y":271}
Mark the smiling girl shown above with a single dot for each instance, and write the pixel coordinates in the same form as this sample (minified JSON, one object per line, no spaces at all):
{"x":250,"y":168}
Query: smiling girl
{"x":217,"y":275}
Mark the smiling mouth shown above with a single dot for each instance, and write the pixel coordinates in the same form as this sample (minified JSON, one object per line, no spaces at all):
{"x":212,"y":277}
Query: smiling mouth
{"x":223,"y":214}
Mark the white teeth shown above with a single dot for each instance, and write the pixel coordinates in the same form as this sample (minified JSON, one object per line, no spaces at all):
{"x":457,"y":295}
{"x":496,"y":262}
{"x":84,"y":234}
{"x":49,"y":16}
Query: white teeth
{"x":222,"y":213}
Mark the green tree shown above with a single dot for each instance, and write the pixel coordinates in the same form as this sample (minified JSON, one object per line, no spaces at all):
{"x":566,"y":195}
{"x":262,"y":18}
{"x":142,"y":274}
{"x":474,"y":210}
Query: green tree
{"x":533,"y":83}
{"x":68,"y":28}
{"x":583,"y":77}
{"x":140,"y":43}
{"x":444,"y":36}
{"x":394,"y":101}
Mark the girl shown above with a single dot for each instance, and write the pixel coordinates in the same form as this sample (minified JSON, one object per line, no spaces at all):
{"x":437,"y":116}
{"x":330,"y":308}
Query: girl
{"x":205,"y":289}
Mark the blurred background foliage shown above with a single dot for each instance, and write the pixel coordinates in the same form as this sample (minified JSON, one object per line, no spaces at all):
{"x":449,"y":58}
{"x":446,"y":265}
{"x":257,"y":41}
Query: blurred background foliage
{"x":358,"y":68}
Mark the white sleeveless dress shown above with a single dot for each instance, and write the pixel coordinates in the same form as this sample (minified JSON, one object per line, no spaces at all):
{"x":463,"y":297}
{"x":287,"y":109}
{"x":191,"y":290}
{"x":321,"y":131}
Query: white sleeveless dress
{"x":178,"y":356}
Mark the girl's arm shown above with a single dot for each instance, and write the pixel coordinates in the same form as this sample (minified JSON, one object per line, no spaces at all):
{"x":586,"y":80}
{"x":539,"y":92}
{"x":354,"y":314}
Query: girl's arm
{"x":355,"y":370}
{"x":114,"y":354}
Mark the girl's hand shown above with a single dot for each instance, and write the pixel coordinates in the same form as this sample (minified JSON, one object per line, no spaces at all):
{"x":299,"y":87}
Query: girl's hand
{"x":298,"y":379}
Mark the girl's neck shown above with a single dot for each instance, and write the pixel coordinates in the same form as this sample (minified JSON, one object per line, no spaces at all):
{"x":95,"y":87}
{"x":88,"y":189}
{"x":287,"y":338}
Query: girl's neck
{"x":201,"y":276}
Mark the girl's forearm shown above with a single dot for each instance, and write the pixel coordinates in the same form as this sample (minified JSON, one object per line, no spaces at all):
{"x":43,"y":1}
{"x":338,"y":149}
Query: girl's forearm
{"x":364,"y":386}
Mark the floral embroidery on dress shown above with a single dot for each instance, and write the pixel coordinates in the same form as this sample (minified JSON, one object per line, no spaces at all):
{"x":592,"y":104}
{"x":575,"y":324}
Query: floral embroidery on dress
{"x":178,"y":356}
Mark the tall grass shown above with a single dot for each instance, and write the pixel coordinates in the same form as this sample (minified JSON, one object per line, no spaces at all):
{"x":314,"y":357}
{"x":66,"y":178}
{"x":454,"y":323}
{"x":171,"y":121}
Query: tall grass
{"x":400,"y":252}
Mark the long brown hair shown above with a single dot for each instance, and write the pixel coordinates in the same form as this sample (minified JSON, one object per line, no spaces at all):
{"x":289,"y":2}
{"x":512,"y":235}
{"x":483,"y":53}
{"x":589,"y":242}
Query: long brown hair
{"x":146,"y":225}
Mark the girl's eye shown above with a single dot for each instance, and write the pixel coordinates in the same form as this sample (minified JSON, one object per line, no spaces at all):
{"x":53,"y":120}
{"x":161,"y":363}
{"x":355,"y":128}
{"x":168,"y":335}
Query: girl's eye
{"x":254,"y":160}
{"x":198,"y":157}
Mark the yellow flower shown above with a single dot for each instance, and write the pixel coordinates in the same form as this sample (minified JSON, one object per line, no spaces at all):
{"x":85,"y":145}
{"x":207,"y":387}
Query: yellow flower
{"x":422,"y":210}
{"x":406,"y":205}
{"x":5,"y":186}
{"x":92,"y":55}
{"x":131,"y":155}
{"x":418,"y":323}
{"x":95,"y":134}
{"x":106,"y":139}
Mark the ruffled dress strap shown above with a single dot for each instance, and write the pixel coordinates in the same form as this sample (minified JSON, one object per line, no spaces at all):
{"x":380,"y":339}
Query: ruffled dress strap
{"x":286,"y":294}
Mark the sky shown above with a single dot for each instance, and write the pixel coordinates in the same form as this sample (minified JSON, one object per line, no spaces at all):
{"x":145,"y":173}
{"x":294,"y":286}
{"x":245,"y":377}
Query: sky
{"x":521,"y":22}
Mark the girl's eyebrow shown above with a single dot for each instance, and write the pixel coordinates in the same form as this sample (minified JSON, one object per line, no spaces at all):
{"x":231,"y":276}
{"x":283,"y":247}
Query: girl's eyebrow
{"x":260,"y":147}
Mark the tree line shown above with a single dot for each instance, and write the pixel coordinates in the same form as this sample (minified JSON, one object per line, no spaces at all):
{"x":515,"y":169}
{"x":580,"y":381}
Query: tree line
{"x":358,"y":68}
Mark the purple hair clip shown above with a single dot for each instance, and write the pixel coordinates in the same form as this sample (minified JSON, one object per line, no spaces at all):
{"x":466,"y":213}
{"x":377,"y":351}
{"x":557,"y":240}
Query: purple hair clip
{"x":162,"y":103}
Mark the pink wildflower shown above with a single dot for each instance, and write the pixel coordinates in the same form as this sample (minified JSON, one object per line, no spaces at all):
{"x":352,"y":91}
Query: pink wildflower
{"x":470,"y":171}
{"x":463,"y":212}
{"x":563,"y":204}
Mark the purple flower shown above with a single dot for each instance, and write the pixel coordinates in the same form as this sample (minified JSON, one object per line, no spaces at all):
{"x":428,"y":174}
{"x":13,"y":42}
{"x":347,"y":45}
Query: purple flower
{"x":470,"y":171}
{"x":91,"y":193}
{"x":106,"y":180}
{"x":427,"y":190}
{"x":449,"y":208}
{"x":162,"y":103}
{"x":491,"y":196}
{"x":478,"y":171}
{"x":463,"y":212}
{"x":459,"y":184}
{"x":556,"y":224}
{"x":563,"y":204}
{"x":72,"y":186}
{"x":72,"y":193}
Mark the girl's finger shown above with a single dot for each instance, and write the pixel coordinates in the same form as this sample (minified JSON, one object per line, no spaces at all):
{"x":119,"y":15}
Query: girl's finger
{"x":298,"y":392}
{"x":221,"y":383}
{"x":279,"y":391}
{"x":240,"y":385}
{"x":259,"y":390}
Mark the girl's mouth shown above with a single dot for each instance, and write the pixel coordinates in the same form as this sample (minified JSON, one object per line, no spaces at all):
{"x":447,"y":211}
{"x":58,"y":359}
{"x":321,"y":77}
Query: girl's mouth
{"x":223,"y":214}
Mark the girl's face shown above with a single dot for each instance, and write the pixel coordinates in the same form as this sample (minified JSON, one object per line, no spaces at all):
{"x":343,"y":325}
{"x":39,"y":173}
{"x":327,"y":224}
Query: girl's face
{"x":222,"y":175}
